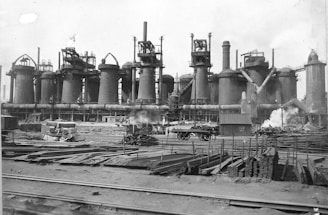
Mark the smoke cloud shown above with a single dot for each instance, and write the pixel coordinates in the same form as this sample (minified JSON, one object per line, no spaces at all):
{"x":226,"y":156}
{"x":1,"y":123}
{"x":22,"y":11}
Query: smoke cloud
{"x":276,"y":117}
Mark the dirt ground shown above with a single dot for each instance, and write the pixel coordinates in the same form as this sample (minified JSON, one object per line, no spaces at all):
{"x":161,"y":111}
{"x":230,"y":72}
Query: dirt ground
{"x":219,"y":184}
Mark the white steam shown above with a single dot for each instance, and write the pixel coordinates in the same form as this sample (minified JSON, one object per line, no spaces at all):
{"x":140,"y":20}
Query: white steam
{"x":277,"y":117}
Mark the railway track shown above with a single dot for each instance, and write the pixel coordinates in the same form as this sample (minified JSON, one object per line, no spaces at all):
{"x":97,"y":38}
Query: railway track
{"x":116,"y":207}
{"x":230,"y":200}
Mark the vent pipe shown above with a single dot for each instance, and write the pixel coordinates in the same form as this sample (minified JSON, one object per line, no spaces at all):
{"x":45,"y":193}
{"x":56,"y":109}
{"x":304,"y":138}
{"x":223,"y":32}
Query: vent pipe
{"x":226,"y":55}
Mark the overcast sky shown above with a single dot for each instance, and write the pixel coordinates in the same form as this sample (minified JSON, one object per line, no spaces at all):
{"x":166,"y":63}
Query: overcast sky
{"x":292,"y":27}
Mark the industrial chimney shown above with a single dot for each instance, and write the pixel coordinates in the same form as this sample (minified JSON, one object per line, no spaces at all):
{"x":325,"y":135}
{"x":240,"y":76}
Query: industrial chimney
{"x":226,"y":55}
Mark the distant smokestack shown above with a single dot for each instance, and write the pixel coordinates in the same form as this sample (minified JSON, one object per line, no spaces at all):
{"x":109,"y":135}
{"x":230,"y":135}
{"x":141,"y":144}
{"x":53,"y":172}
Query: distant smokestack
{"x":272,"y":58}
{"x":226,"y":55}
{"x":145,"y":32}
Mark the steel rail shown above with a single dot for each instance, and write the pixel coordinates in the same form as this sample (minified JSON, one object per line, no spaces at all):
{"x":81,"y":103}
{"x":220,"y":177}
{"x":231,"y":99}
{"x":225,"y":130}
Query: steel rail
{"x":232,"y":200}
{"x":94,"y":203}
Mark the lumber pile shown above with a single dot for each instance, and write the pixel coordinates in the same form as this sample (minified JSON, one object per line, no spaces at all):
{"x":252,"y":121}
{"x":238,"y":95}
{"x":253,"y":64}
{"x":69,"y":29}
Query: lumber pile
{"x":251,"y":167}
{"x":237,"y":168}
{"x":193,"y":165}
{"x":220,"y":167}
{"x":301,"y":172}
{"x":318,"y":175}
{"x":311,"y":143}
{"x":206,"y":169}
{"x":268,"y":164}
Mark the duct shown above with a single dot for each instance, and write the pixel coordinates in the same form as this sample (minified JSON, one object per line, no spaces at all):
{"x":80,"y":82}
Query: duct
{"x":259,"y":89}
{"x":187,"y":86}
{"x":22,"y":106}
{"x":85,"y":106}
{"x":210,"y":107}
{"x":268,"y":106}
{"x":249,"y":78}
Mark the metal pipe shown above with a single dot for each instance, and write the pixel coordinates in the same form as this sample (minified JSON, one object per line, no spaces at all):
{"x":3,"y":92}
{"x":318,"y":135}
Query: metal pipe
{"x":211,"y":107}
{"x":192,"y":42}
{"x":209,"y":48}
{"x":236,"y":59}
{"x":249,"y":78}
{"x":129,"y":107}
{"x":38,"y":66}
{"x":1,"y":99}
{"x":272,"y":58}
{"x":58,"y":60}
{"x":145,"y":31}
{"x":134,"y":71}
{"x":11,"y":98}
{"x":258,"y":90}
{"x":160,"y":74}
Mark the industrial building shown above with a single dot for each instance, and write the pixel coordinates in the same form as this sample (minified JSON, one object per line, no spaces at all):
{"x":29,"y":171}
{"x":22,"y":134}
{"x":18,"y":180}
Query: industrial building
{"x":81,"y":90}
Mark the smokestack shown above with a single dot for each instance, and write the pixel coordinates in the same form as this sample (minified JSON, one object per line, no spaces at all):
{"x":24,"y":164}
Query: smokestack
{"x":145,"y":31}
{"x":272,"y":58}
{"x":236,"y":59}
{"x":226,"y":55}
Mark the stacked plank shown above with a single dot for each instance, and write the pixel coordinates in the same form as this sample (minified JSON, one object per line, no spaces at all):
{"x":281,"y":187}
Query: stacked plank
{"x":237,"y":168}
{"x":300,"y":172}
{"x":194,"y":164}
{"x":188,"y":164}
{"x":251,"y":169}
{"x":268,"y":164}
{"x":318,"y":175}
{"x":312,"y":143}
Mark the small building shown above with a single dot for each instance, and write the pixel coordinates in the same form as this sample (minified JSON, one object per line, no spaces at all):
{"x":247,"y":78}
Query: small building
{"x":235,"y":124}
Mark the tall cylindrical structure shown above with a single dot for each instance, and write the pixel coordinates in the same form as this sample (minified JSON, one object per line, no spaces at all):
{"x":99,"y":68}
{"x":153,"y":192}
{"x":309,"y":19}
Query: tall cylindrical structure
{"x":167,"y":87}
{"x":200,"y":89}
{"x":315,"y":85}
{"x":214,"y":89}
{"x":48,"y":87}
{"x":108,"y":89}
{"x":287,"y":84}
{"x":24,"y":87}
{"x":146,"y":92}
{"x":72,"y":86}
{"x":231,"y":86}
{"x":92,"y":89}
{"x":226,"y":55}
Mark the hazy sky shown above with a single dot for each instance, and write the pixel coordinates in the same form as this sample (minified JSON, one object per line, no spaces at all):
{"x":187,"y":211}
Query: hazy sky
{"x":292,"y":27}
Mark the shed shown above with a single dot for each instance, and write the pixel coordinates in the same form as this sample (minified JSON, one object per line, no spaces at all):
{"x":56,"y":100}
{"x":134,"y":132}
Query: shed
{"x":235,"y":124}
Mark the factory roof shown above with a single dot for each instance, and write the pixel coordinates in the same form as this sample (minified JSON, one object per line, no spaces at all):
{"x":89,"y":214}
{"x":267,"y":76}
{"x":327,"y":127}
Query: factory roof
{"x":235,"y":119}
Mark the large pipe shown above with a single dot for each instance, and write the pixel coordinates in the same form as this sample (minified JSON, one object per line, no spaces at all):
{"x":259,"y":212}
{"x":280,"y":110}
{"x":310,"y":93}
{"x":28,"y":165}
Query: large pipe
{"x":145,"y":31}
{"x":192,"y":42}
{"x":160,"y":74}
{"x":85,"y":106}
{"x":11,"y":98}
{"x":258,"y":90}
{"x":128,"y":107}
{"x":209,"y":49}
{"x":226,"y":55}
{"x":134,"y":71}
{"x":236,"y":59}
{"x":272,"y":58}
{"x":38,"y":66}
{"x":249,"y":78}
{"x":58,"y":60}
